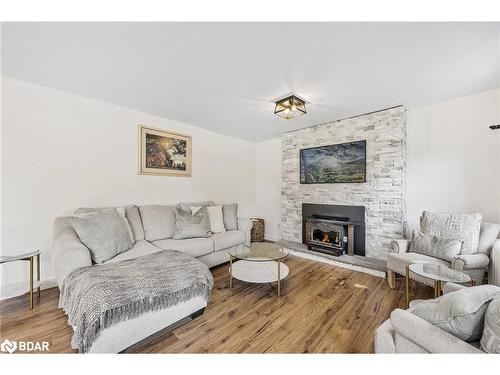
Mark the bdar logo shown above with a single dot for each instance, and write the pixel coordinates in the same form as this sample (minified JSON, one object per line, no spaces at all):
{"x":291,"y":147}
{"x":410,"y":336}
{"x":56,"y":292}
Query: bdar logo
{"x":8,"y":346}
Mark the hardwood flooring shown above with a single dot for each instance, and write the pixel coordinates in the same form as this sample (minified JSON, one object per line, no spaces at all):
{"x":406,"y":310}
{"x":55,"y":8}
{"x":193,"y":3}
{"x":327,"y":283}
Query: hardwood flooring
{"x":323,"y":309}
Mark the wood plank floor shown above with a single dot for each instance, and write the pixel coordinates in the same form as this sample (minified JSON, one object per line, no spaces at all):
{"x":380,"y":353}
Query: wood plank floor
{"x":323,"y":309}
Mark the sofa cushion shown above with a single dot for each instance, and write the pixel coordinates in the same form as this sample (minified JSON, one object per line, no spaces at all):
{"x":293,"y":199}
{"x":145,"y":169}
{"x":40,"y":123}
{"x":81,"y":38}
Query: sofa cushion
{"x":230,"y":216}
{"x":191,"y":226}
{"x":487,"y":237}
{"x":397,"y":263}
{"x":140,"y":248}
{"x":131,"y":213}
{"x":158,"y":221}
{"x":103,"y":233}
{"x":186,"y":206}
{"x":461,"y":227}
{"x":225,"y":240}
{"x":195,"y":247}
{"x":435,"y":247}
{"x":460,"y":313}
{"x":490,"y":341}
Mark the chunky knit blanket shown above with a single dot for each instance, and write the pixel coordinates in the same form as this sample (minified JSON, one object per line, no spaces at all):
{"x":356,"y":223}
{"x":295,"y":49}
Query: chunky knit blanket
{"x":97,"y":297}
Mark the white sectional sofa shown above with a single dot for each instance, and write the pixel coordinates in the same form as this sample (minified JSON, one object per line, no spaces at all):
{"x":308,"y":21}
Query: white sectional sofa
{"x":153,"y":227}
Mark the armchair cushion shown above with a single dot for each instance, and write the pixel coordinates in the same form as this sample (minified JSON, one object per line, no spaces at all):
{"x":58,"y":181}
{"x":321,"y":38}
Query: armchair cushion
{"x":401,"y":246}
{"x":435,"y":247}
{"x":462,"y":227}
{"x":460,"y":313}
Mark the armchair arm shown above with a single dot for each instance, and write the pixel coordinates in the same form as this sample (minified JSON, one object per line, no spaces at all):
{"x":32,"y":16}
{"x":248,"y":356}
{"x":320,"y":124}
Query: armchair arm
{"x":427,"y":335}
{"x":470,"y":262}
{"x":400,"y":246}
{"x":494,"y":274}
{"x":246,"y":226}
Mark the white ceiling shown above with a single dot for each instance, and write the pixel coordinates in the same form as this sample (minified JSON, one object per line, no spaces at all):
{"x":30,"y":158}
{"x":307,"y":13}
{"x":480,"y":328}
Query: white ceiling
{"x":223,"y":76}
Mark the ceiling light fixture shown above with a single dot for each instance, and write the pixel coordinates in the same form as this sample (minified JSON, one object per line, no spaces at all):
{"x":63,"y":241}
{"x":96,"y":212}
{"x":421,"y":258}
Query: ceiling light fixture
{"x":290,"y":107}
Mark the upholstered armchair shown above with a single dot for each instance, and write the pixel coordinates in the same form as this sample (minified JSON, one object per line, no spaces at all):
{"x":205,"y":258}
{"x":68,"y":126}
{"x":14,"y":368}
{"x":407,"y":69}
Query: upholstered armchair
{"x":474,"y":265}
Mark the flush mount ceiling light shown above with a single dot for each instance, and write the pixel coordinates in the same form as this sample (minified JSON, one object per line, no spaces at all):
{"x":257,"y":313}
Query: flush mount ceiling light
{"x":290,"y":107}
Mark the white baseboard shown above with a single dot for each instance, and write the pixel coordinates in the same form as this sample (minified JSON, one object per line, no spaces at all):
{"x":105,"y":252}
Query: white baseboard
{"x":18,"y":289}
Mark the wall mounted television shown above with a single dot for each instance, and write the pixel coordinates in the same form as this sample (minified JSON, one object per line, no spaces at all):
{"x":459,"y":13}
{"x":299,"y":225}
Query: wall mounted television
{"x":340,"y":163}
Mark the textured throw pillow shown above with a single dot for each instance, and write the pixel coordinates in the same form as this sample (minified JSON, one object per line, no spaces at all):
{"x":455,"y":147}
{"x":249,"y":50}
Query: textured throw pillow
{"x":103,"y":233}
{"x":191,"y":226}
{"x":215,"y":218}
{"x":490,"y":342}
{"x":460,"y":313}
{"x":230,"y":215}
{"x":435,"y":247}
{"x":461,"y":227}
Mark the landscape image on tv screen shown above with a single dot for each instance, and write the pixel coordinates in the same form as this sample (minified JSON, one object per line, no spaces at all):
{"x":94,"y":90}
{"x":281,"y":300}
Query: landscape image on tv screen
{"x":341,"y":163}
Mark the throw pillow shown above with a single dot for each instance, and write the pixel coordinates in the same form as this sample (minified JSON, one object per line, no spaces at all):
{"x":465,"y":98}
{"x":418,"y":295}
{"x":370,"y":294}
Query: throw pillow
{"x":230,"y":215}
{"x":103,"y":233}
{"x":186,"y":206}
{"x":195,"y":209}
{"x":216,"y":220}
{"x":158,"y":221}
{"x":191,"y":226}
{"x":490,"y":342}
{"x":460,"y":313}
{"x":435,"y":247}
{"x":461,"y":227}
{"x":121,"y":211}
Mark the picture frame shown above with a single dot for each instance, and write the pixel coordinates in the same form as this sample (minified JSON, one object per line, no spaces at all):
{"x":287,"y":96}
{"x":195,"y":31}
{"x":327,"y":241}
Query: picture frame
{"x":164,"y":153}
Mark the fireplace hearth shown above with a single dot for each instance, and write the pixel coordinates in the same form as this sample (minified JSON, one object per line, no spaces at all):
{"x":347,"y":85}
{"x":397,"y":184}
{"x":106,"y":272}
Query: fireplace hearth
{"x":333,"y":229}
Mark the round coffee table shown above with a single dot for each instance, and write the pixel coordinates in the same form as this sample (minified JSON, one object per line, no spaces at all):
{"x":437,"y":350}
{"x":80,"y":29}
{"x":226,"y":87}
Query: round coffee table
{"x":436,"y":272}
{"x":258,"y":263}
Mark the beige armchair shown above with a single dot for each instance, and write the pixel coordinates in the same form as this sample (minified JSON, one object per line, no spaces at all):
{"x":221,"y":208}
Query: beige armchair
{"x":474,"y":265}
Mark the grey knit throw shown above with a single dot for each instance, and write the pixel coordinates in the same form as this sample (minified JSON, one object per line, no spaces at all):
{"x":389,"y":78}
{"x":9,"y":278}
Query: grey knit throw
{"x":97,"y":297}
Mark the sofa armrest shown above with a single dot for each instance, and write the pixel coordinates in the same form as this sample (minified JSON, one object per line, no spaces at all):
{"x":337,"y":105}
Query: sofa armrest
{"x":384,"y":338}
{"x":67,"y":251}
{"x":470,"y":262}
{"x":400,"y":246}
{"x":494,"y":273}
{"x":427,"y":335}
{"x":245,"y":225}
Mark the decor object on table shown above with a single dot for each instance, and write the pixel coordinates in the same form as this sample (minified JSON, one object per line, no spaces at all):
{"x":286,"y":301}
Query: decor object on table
{"x":29,"y":257}
{"x":164,"y":153}
{"x":258,"y":263}
{"x":290,"y":107}
{"x":473,"y":264}
{"x":458,"y":314}
{"x":340,"y":163}
{"x":153,"y":228}
{"x":258,"y":229}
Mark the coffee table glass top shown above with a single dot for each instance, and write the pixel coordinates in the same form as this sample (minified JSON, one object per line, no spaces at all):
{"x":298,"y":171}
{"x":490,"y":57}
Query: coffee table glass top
{"x":439,"y":273}
{"x":260,"y":252}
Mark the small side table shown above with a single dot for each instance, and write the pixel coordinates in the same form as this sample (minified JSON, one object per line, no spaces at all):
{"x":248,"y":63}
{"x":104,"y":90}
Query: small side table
{"x":30,"y":257}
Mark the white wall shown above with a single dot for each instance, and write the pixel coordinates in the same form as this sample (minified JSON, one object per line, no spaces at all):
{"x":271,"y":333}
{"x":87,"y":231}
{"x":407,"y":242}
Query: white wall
{"x":61,"y":151}
{"x":268,"y":186}
{"x":453,"y":162}
{"x":454,"y":158}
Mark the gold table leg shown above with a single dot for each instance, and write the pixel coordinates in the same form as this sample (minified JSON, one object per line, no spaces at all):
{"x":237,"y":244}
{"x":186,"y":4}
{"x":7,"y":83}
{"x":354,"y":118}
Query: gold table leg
{"x":437,"y":288}
{"x":31,"y":282}
{"x":230,"y":273}
{"x":472,"y":282}
{"x":279,"y":281}
{"x":38,"y":277}
{"x":407,"y":287}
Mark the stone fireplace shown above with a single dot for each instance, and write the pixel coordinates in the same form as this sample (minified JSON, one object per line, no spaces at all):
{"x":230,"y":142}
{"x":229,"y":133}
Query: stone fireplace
{"x":382,"y":196}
